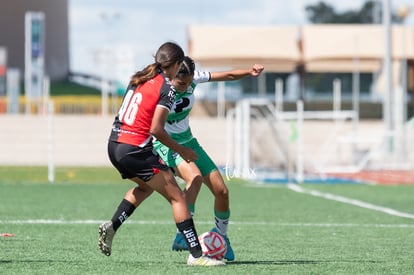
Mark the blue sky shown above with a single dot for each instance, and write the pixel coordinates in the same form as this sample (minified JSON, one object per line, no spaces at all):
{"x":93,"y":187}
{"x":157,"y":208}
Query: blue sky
{"x":136,"y":28}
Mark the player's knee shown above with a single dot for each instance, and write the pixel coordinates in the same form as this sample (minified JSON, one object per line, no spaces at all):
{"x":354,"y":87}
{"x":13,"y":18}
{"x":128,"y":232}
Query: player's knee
{"x":178,"y":196}
{"x":222,"y":192}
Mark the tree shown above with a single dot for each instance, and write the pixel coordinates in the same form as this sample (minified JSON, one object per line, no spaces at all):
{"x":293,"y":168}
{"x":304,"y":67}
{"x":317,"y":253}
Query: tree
{"x":322,"y":13}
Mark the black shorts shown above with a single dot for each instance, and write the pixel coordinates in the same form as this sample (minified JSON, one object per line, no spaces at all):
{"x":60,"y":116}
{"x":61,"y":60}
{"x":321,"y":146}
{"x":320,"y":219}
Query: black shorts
{"x":133,"y":161}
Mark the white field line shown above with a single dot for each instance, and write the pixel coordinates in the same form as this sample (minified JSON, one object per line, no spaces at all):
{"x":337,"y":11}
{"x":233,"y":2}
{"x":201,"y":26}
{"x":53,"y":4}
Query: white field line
{"x":328,"y":196}
{"x":236,"y":223}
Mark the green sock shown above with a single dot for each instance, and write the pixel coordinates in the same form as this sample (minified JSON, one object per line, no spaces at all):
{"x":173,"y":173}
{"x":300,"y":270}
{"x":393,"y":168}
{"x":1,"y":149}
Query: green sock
{"x":191,"y":208}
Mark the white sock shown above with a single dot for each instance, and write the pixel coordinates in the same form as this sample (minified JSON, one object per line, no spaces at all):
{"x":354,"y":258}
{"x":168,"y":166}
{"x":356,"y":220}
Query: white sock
{"x":221,"y":225}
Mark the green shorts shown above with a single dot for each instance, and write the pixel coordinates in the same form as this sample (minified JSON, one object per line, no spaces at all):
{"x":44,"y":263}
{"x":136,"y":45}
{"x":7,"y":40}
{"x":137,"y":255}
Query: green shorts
{"x":173,"y":159}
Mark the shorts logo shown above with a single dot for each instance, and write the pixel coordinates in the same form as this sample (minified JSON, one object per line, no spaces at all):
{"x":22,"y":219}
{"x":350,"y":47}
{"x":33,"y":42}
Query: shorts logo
{"x":175,"y":155}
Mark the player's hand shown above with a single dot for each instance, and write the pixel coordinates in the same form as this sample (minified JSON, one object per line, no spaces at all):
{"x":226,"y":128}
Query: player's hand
{"x":257,"y":69}
{"x":188,"y":154}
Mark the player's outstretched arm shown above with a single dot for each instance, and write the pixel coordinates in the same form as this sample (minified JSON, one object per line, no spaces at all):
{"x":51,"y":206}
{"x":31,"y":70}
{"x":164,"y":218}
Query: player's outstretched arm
{"x":256,"y":70}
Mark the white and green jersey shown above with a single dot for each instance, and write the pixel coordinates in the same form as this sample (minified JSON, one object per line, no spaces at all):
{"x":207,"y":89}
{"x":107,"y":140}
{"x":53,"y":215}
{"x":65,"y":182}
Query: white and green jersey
{"x":178,"y":121}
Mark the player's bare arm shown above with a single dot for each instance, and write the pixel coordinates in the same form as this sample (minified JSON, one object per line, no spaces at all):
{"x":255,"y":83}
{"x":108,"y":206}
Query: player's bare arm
{"x":158,"y":131}
{"x":256,"y":70}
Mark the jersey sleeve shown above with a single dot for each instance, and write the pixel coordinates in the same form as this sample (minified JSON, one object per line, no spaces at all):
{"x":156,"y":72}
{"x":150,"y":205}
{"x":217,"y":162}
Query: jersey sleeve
{"x":167,"y":96}
{"x":200,"y":77}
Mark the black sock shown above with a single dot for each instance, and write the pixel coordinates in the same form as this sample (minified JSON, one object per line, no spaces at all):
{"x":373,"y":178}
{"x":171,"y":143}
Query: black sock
{"x":125,"y":209}
{"x":188,"y":230}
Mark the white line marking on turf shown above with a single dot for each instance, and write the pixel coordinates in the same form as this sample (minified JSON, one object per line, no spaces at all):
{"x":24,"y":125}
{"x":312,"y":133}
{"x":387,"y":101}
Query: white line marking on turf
{"x":328,"y":196}
{"x":236,"y":223}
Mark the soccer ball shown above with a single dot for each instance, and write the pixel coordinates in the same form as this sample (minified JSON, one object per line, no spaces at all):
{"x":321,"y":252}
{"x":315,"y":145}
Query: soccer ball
{"x":213,"y":245}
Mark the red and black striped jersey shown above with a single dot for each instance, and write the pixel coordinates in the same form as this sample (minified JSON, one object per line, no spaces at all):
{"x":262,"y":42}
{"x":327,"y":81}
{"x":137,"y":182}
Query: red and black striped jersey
{"x":133,"y":121}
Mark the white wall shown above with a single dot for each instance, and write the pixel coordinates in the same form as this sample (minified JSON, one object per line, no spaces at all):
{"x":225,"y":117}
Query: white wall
{"x":81,"y":140}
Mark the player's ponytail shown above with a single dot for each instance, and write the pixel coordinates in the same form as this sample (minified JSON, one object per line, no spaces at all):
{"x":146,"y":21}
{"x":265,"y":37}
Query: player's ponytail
{"x":145,"y":75}
{"x":167,"y":55}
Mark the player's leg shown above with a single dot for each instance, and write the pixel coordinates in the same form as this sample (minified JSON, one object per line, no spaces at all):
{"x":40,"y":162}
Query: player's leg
{"x":136,"y":164}
{"x":144,"y":167}
{"x":189,"y":172}
{"x":191,"y":175}
{"x":165,"y":184}
{"x":214,"y":181}
{"x":193,"y":179}
{"x":132,"y":199}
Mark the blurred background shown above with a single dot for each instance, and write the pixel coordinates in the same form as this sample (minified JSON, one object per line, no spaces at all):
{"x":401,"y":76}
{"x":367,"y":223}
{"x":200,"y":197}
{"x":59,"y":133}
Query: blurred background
{"x":336,"y":97}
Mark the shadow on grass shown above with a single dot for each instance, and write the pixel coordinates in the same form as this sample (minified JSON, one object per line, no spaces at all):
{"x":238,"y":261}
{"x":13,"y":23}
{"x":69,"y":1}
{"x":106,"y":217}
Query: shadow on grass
{"x":296,"y":262}
{"x":35,"y":261}
{"x":266,"y":262}
{"x":287,"y":262}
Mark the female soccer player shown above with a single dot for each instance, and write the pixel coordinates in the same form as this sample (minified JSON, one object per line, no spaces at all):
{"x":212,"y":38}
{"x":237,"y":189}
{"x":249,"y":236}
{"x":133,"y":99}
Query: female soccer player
{"x":203,"y":169}
{"x":143,"y":113}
